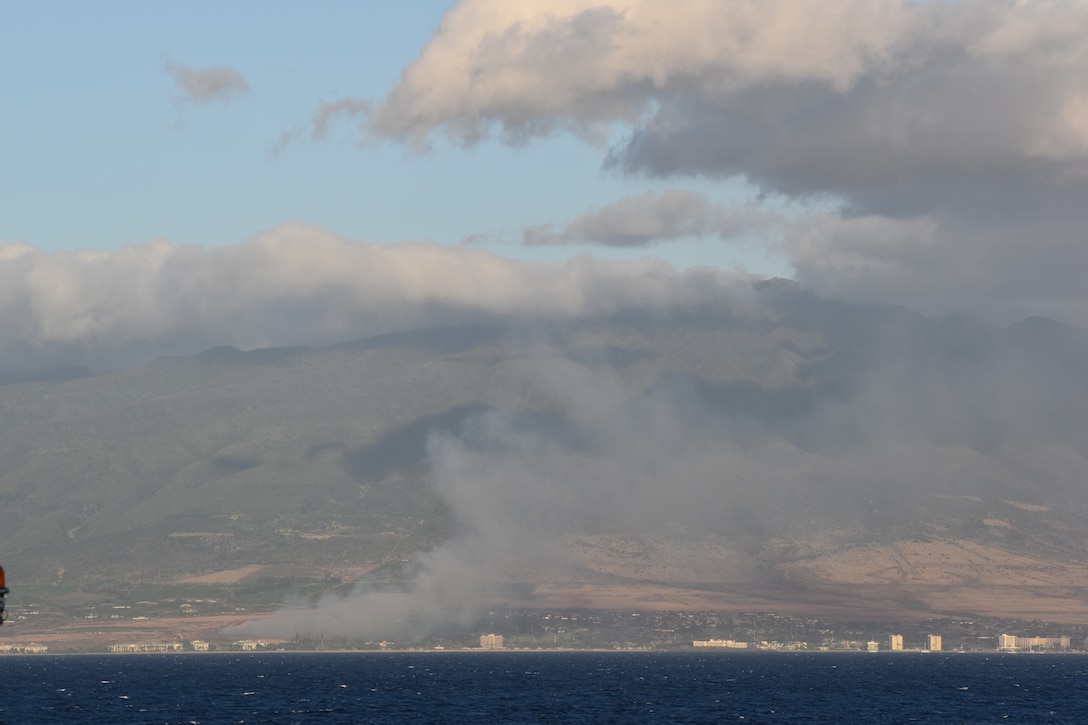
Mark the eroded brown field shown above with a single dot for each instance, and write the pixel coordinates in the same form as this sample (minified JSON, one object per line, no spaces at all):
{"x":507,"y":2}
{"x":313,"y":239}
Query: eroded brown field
{"x":79,"y":635}
{"x":893,"y":583}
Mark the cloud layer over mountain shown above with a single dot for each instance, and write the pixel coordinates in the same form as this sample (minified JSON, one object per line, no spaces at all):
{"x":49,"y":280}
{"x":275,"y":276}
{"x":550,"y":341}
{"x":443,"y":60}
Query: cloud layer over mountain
{"x":297,"y":284}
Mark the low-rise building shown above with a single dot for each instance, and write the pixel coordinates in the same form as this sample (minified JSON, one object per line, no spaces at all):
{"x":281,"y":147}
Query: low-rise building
{"x":133,"y":647}
{"x":727,"y":643}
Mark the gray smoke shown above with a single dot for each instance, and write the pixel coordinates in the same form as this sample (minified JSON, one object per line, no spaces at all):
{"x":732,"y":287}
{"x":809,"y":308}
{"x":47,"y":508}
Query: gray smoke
{"x":879,"y":414}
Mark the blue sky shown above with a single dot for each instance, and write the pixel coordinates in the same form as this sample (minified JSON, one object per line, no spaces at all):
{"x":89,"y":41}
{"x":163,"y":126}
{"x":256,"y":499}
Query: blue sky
{"x":100,"y":148}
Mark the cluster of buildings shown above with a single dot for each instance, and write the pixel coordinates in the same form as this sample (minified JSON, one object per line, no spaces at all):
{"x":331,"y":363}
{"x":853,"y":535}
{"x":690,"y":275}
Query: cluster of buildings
{"x":31,"y":648}
{"x":933,"y":643}
{"x":895,"y":643}
{"x":197,"y":645}
{"x":491,"y":641}
{"x":1006,"y":643}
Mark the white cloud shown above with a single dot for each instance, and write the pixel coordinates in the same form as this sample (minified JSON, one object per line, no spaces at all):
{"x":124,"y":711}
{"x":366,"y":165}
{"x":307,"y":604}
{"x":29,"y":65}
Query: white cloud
{"x":528,"y":67}
{"x":901,"y":74}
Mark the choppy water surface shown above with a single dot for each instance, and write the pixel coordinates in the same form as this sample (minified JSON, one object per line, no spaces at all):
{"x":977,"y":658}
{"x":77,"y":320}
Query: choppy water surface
{"x":530,"y":687}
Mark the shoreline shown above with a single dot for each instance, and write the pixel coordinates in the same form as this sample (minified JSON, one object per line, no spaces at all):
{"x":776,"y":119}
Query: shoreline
{"x":725,"y":652}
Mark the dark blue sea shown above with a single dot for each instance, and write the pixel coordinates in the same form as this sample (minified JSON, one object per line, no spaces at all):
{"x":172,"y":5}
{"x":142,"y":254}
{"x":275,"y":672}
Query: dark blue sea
{"x":546,"y":687}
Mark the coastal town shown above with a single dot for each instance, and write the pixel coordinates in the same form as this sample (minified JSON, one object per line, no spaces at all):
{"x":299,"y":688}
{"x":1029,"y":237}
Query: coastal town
{"x":119,"y":631}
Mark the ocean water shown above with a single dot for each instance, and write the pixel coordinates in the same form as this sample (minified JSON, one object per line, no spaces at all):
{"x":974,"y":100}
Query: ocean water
{"x":545,"y":687}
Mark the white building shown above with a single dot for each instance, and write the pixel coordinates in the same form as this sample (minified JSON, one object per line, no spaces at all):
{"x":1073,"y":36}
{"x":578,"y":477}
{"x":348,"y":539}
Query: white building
{"x":727,"y":643}
{"x":130,"y":647}
{"x":1012,"y":642}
